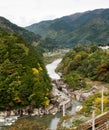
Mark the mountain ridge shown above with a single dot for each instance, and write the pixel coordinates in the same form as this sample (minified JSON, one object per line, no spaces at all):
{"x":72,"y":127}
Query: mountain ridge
{"x":10,"y":27}
{"x":69,"y":30}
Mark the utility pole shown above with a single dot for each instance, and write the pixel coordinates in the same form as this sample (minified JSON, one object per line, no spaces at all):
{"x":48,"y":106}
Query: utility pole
{"x":63,"y":113}
{"x":93,"y":119}
{"x":102,"y":100}
{"x":63,"y":109}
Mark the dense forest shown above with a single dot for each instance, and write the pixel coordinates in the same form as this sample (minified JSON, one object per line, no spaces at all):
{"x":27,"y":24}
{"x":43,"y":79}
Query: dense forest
{"x":29,"y":37}
{"x":82,"y":63}
{"x":42,"y":45}
{"x":23,"y":77}
{"x":88,"y":61}
{"x":67,"y":31}
{"x":24,"y":82}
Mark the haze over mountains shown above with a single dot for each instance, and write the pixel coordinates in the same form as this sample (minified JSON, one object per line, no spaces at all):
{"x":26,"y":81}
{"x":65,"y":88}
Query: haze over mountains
{"x":87,"y":27}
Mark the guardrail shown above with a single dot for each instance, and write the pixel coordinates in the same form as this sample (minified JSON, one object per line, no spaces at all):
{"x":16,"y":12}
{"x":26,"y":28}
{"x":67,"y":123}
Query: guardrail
{"x":99,"y":123}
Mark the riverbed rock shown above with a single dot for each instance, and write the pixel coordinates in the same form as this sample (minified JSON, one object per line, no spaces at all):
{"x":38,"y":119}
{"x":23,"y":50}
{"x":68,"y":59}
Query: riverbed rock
{"x":78,"y":108}
{"x":36,"y":112}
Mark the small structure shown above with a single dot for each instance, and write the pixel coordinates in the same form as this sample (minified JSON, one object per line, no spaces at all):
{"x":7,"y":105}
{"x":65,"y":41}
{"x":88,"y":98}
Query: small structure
{"x":67,"y":104}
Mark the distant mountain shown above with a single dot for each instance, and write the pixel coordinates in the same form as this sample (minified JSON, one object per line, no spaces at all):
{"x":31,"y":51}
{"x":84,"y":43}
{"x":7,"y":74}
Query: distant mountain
{"x":87,"y":27}
{"x":29,"y":37}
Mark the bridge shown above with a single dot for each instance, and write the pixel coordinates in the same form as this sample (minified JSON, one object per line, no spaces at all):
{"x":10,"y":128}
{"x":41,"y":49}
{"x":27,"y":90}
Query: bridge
{"x":101,"y":123}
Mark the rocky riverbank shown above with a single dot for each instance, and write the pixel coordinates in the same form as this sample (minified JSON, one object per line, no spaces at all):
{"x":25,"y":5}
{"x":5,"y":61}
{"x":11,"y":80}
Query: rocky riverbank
{"x":60,"y":97}
{"x":81,"y":95}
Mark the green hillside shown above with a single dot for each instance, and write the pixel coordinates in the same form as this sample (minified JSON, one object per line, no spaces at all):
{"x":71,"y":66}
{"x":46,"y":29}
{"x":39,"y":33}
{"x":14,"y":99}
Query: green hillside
{"x":7,"y":26}
{"x":87,"y":27}
{"x":82,"y":62}
{"x":23,"y":77}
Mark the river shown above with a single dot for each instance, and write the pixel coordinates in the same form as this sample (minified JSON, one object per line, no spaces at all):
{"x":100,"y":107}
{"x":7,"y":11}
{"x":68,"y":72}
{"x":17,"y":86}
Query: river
{"x":51,"y":69}
{"x":51,"y":121}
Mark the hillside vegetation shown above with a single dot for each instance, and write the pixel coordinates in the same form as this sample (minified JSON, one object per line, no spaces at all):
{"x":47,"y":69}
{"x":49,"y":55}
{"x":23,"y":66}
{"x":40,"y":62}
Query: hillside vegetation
{"x":87,"y":27}
{"x":27,"y":124}
{"x":85,"y":61}
{"x":82,"y":63}
{"x":23,"y":77}
{"x":29,"y":37}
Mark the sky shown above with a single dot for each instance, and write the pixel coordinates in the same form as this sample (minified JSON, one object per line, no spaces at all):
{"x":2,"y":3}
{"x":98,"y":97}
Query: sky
{"x":27,"y":12}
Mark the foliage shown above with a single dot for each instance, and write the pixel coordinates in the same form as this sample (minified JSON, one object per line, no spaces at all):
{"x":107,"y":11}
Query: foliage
{"x":85,"y":61}
{"x":67,"y":123}
{"x":29,"y":37}
{"x":27,"y":124}
{"x":86,"y":27}
{"x":61,"y":125}
{"x":77,"y":122}
{"x":95,"y":101}
{"x":23,"y":77}
{"x":47,"y":44}
{"x":74,"y":80}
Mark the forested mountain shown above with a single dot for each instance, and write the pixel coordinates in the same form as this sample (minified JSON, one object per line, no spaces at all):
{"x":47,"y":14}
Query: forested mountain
{"x":23,"y":77}
{"x":82,"y":62}
{"x":29,"y":37}
{"x":87,"y":27}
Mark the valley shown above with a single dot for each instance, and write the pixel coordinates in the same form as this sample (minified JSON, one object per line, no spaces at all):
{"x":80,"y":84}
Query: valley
{"x":67,"y":31}
{"x":51,"y":119}
{"x":53,"y":73}
{"x":53,"y":55}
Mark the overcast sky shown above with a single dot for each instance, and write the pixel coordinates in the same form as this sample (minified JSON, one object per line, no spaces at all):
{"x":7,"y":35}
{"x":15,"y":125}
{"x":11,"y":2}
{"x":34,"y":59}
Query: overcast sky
{"x":26,"y":12}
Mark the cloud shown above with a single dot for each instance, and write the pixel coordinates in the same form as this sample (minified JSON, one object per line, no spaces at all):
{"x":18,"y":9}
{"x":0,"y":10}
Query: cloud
{"x":26,"y":12}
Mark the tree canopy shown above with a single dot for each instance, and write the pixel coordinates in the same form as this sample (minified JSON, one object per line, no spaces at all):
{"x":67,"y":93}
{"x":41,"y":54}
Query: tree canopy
{"x":23,"y":77}
{"x":85,"y":61}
